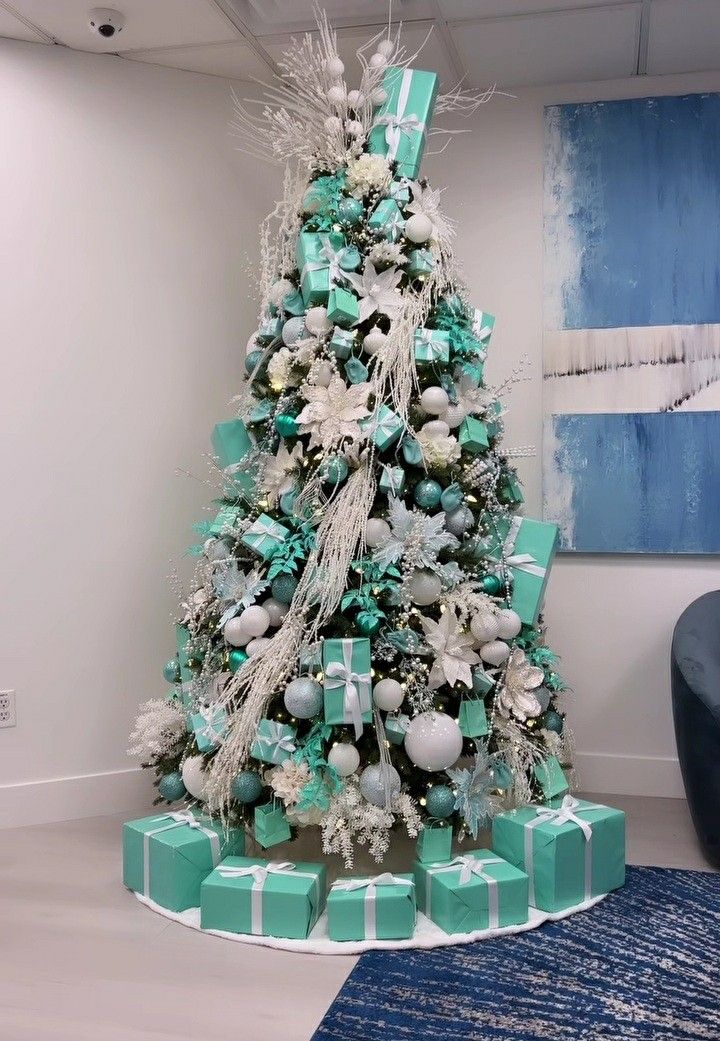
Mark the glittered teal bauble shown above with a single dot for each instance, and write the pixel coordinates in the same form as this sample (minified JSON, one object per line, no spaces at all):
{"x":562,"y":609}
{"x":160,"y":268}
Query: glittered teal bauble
{"x":553,"y":721}
{"x":236,"y":658}
{"x":171,"y":670}
{"x":285,"y":425}
{"x":171,"y":787}
{"x":247,"y":786}
{"x":491,"y":584}
{"x":303,"y":697}
{"x":283,"y":588}
{"x":440,"y":801}
{"x":350,"y":211}
{"x":350,"y":259}
{"x":252,"y":360}
{"x":368,"y":624}
{"x":452,"y":497}
{"x":334,"y":470}
{"x":427,"y":494}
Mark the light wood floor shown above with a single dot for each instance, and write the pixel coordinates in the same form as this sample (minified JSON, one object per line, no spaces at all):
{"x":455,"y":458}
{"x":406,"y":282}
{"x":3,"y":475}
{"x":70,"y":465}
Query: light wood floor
{"x":82,"y":960}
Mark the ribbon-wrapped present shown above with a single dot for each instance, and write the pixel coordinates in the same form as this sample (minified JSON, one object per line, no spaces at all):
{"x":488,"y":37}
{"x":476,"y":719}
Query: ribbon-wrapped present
{"x":571,"y":852}
{"x":231,"y":443}
{"x":209,"y":725}
{"x":473,"y":435}
{"x":420,"y":262}
{"x":478,"y":890}
{"x":473,"y":718}
{"x":318,"y":257}
{"x":270,"y":825}
{"x":263,"y":897}
{"x":529,"y":547}
{"x":551,"y":777}
{"x":493,"y":421}
{"x":346,"y":682}
{"x":400,"y":191}
{"x":274,"y":742}
{"x":432,"y":345}
{"x":261,"y":411}
{"x":342,"y":342}
{"x":401,"y":123}
{"x":269,"y":330}
{"x":379,"y":908}
{"x":481,"y":682}
{"x":396,"y":727}
{"x":434,"y":844}
{"x":392,"y":480}
{"x":387,"y":220}
{"x":293,"y":304}
{"x":384,"y":427}
{"x":167,"y":857}
{"x":482,"y":326}
{"x":264,"y":536}
{"x":343,"y":307}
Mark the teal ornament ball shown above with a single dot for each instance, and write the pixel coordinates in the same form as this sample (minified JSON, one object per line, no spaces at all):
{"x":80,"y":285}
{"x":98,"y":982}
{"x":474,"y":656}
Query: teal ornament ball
{"x":236,"y":658}
{"x":252,"y":360}
{"x":427,"y":494}
{"x":171,"y":787}
{"x":283,"y":588}
{"x":334,"y":470}
{"x":247,"y":786}
{"x":553,"y":721}
{"x":350,"y":211}
{"x":171,"y":670}
{"x":440,"y":801}
{"x":491,"y":584}
{"x":303,"y":697}
{"x":350,"y":259}
{"x":452,"y":497}
{"x":285,"y":425}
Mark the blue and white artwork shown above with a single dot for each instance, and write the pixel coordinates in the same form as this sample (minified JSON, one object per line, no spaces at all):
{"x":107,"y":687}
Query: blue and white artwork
{"x":632,"y":325}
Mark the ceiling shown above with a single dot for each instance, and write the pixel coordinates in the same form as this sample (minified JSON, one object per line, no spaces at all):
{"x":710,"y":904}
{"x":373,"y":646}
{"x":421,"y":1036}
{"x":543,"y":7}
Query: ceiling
{"x":509,"y":42}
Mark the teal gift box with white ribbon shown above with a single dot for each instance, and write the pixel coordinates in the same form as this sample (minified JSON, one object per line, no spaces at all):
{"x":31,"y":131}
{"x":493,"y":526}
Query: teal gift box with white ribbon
{"x":263,"y":897}
{"x":274,"y":742}
{"x":392,"y":480}
{"x":432,"y":345}
{"x":387,"y":220}
{"x":400,"y":191}
{"x":378,"y":908}
{"x":209,"y":725}
{"x":473,"y":435}
{"x":264,"y":536}
{"x":434,"y":844}
{"x":477,"y":890}
{"x":420,"y":262}
{"x":529,"y":547}
{"x":318,"y":259}
{"x":482,"y":326}
{"x":269,"y":330}
{"x":401,"y":123}
{"x":343,"y":307}
{"x":166,"y":857}
{"x":396,"y":727}
{"x":342,"y":342}
{"x":571,"y":852}
{"x":384,"y":427}
{"x":347,"y":682}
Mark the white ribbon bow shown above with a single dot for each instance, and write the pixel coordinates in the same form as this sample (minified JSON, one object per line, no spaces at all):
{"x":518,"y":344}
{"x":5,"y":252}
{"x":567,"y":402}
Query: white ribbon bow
{"x":275,"y":739}
{"x":480,"y":331}
{"x":356,"y":693}
{"x":401,"y":122}
{"x":370,"y":885}
{"x":329,"y":258}
{"x":566,"y":813}
{"x":177,"y":820}
{"x":424,"y":337}
{"x":260,"y":530}
{"x":470,"y":866}
{"x":394,"y":478}
{"x":525,"y":562}
{"x":214,"y":719}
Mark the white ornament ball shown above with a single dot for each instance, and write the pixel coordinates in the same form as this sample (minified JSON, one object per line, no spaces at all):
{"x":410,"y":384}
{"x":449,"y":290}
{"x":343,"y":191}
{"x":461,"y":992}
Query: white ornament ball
{"x":333,"y":124}
{"x":454,"y":415}
{"x":374,"y":341}
{"x":418,"y":228}
{"x":375,"y":778}
{"x":484,"y":627}
{"x":435,"y":429}
{"x":303,"y":697}
{"x":433,"y":741}
{"x":356,"y":98}
{"x":378,"y":96}
{"x":425,"y":588}
{"x":344,"y":758}
{"x":376,"y":532}
{"x":194,"y":776}
{"x":377,"y":61}
{"x":388,"y":695}
{"x":336,"y":95}
{"x":293,"y":330}
{"x":317,"y":321}
{"x":509,"y":623}
{"x":434,"y":400}
{"x":459,"y":520}
{"x":334,"y":67}
{"x":234,"y":633}
{"x":354,"y":128}
{"x":386,"y":47}
{"x":255,"y":620}
{"x":324,"y":374}
{"x":279,"y":290}
{"x":257,"y":645}
{"x":276,"y":611}
{"x":495,"y":652}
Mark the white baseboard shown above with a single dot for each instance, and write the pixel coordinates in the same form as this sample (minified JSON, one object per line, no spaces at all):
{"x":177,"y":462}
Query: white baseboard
{"x":70,"y":798}
{"x":629,"y":775}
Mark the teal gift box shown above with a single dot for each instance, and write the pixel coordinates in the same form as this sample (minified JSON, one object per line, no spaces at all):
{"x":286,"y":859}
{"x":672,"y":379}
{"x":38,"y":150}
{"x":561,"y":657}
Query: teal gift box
{"x":209,"y":725}
{"x":269,"y":330}
{"x":478,"y":890}
{"x":346,"y":682}
{"x":420,"y":262}
{"x":293,"y":304}
{"x":342,"y":343}
{"x":231,"y":443}
{"x":274,"y":742}
{"x":384,"y":427}
{"x":343,"y":307}
{"x":529,"y":548}
{"x":270,"y":825}
{"x":432,"y":345}
{"x":473,"y":718}
{"x":396,"y":727}
{"x":402,"y":122}
{"x":261,"y":411}
{"x":264,"y":536}
{"x":379,"y":908}
{"x":387,"y":220}
{"x":481,"y":682}
{"x":400,"y":191}
{"x":392,"y":480}
{"x":315,"y":252}
{"x":225,"y":520}
{"x":263,"y":897}
{"x":482,"y":326}
{"x":434,"y":843}
{"x":571,"y":852}
{"x":551,"y":777}
{"x":473,"y":435}
{"x":494,"y":424}
{"x":166,"y":857}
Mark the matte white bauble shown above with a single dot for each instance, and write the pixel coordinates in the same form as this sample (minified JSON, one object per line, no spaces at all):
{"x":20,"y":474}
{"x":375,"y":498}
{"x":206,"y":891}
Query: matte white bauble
{"x":377,"y":61}
{"x":386,"y":48}
{"x":356,"y":98}
{"x":484,"y":627}
{"x":454,"y":415}
{"x":333,"y":124}
{"x":434,"y":400}
{"x":354,"y":128}
{"x":344,"y":758}
{"x":376,"y":532}
{"x":324,"y":374}
{"x":388,"y":695}
{"x":425,"y":587}
{"x":276,"y":611}
{"x":435,"y":429}
{"x":509,"y":623}
{"x":378,"y":96}
{"x":336,"y":95}
{"x":374,"y":341}
{"x":234,"y":633}
{"x":334,"y":67}
{"x":257,"y":645}
{"x":418,"y":228}
{"x":317,"y":321}
{"x":255,"y":620}
{"x":376,"y":779}
{"x":433,"y":741}
{"x":495,"y":652}
{"x":293,"y":330}
{"x":194,"y":776}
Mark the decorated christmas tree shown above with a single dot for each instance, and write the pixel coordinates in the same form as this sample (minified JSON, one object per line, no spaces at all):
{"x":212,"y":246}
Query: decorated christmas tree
{"x":362,"y":648}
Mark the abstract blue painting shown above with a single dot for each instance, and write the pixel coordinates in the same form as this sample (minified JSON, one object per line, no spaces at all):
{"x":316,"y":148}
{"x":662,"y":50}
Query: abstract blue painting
{"x":632,"y":324}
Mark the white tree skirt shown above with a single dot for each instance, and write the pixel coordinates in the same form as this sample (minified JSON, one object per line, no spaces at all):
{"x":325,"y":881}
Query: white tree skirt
{"x":427,"y":934}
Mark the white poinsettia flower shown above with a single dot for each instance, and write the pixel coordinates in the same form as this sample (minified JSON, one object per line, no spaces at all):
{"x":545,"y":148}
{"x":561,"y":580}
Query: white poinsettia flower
{"x":427,"y":202}
{"x":367,"y":173}
{"x":384,"y":253}
{"x":276,"y":469}
{"x":453,"y":651}
{"x":333,"y":412}
{"x":517,"y":695}
{"x":377,"y":291}
{"x":438,"y":451}
{"x":288,"y":780}
{"x":414,"y":537}
{"x":471,"y":398}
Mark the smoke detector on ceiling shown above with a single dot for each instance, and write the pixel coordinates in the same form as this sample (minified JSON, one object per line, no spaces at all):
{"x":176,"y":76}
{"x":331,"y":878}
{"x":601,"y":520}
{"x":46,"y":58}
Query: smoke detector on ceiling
{"x":106,"y":23}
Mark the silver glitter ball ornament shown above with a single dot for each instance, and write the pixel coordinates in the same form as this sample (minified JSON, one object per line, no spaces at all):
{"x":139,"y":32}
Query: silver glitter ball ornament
{"x":303,"y":697}
{"x":372,"y":783}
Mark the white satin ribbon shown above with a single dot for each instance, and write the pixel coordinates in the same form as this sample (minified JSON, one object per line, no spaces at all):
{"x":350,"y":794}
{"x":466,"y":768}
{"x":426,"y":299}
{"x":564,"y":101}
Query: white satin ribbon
{"x":370,"y":885}
{"x":356,"y":687}
{"x":261,"y":531}
{"x":400,"y":123}
{"x":566,"y":813}
{"x":260,"y":874}
{"x":275,"y":739}
{"x":425,"y":337}
{"x":177,"y":820}
{"x":480,"y":331}
{"x":524,"y":562}
{"x":469,"y":866}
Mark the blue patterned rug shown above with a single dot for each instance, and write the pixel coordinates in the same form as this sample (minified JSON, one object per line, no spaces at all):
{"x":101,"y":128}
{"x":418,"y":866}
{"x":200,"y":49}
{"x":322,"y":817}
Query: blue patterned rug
{"x":643,"y":965}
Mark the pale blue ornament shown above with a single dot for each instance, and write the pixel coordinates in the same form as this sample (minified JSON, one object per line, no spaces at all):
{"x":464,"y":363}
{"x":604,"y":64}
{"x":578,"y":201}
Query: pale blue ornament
{"x":427,"y":494}
{"x":458,"y":521}
{"x":171,"y":787}
{"x":372,"y":783}
{"x":171,"y":670}
{"x":303,"y":697}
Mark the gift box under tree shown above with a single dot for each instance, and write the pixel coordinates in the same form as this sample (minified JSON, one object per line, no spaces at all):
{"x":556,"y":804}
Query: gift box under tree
{"x":529,"y":546}
{"x":263,"y":897}
{"x":316,"y":254}
{"x":401,"y":123}
{"x":478,"y":890}
{"x":571,"y":852}
{"x":379,"y":908}
{"x":346,"y":682}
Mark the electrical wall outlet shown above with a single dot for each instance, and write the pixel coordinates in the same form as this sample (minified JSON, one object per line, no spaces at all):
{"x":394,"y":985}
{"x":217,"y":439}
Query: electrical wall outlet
{"x":8,"y":717}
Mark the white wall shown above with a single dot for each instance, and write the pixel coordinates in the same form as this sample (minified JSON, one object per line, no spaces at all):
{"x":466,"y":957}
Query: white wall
{"x":128,"y":220}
